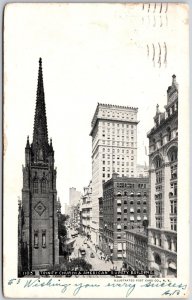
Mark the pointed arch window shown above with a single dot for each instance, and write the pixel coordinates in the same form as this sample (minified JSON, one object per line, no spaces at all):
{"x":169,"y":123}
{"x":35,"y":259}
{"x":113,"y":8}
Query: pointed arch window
{"x":36,"y":239}
{"x":161,"y":139}
{"x":168,"y":134}
{"x":43,"y":186}
{"x":43,"y":238}
{"x":35,"y":186}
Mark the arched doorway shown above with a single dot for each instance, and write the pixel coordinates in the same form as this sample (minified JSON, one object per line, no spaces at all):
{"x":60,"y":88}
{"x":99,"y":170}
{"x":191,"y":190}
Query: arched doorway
{"x":156,"y":266}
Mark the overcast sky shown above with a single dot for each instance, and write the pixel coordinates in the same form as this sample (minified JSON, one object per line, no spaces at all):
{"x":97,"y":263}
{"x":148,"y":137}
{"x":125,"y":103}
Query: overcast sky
{"x":91,"y":53}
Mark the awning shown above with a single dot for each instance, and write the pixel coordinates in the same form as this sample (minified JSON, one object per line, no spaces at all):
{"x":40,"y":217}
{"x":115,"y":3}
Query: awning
{"x":131,"y":218}
{"x":172,"y":265}
{"x":131,"y":209}
{"x":138,"y":218}
{"x":145,"y":218}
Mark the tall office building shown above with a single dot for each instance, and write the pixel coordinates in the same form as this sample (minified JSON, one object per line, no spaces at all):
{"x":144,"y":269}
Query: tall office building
{"x":163,"y":147}
{"x":125,"y":206}
{"x":114,"y":149}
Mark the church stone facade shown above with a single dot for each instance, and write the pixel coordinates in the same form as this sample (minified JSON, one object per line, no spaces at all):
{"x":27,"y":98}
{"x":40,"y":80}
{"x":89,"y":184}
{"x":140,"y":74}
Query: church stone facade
{"x":38,"y":244}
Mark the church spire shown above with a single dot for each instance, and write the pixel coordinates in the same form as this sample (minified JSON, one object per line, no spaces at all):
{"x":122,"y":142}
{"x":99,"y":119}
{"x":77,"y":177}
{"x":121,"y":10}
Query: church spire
{"x":40,"y":135}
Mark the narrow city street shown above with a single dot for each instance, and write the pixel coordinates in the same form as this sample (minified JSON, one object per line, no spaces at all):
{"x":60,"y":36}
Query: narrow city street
{"x":91,"y":255}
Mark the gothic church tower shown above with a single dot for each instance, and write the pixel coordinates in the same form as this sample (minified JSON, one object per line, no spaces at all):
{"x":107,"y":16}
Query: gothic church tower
{"x":38,"y":222}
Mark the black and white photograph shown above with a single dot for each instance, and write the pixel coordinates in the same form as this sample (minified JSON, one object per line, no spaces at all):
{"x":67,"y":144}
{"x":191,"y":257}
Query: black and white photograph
{"x":96,"y":150}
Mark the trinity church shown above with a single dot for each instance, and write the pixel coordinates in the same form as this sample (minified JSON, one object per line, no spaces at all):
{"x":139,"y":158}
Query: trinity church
{"x":38,"y":244}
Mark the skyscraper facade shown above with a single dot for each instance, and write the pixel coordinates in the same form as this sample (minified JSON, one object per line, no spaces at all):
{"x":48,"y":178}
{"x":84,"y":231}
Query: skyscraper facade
{"x":114,"y":149}
{"x":163,"y":148}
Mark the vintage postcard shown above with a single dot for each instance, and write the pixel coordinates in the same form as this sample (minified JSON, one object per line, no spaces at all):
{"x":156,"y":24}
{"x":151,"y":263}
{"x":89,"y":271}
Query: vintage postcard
{"x":96,"y":150}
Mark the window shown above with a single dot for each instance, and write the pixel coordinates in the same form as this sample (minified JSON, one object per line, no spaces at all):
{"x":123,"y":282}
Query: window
{"x":174,"y":156}
{"x":173,"y":206}
{"x":174,"y":171}
{"x":169,"y":244}
{"x":43,"y":186}
{"x":118,"y":227}
{"x":159,"y":177}
{"x":173,"y":224}
{"x":168,"y":134}
{"x":35,"y":186}
{"x":154,"y":144}
{"x":158,"y":162}
{"x":161,"y":139}
{"x":103,"y":168}
{"x":158,"y":207}
{"x":36,"y":239}
{"x":174,"y":189}
{"x":44,"y":239}
{"x":159,"y":222}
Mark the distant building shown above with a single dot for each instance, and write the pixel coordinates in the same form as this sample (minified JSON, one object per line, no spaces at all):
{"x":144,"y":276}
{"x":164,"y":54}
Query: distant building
{"x":67,"y":209}
{"x":142,"y":171}
{"x":38,"y":243}
{"x":136,"y":249}
{"x":86,"y":210}
{"x":163,"y":149}
{"x":114,"y":149}
{"x":74,"y":196}
{"x":125,"y":206}
{"x":74,"y":205}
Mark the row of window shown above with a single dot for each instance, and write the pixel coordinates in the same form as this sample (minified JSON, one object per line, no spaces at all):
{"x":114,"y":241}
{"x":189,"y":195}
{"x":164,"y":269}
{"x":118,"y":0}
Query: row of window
{"x":131,"y":185}
{"x":116,"y":137}
{"x":131,"y":210}
{"x":173,"y":222}
{"x":172,"y":158}
{"x":36,"y":239}
{"x":118,"y":163}
{"x":118,"y":125}
{"x":118,"y":143}
{"x":118,"y":150}
{"x":42,"y":187}
{"x":132,"y":194}
{"x":132,"y":202}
